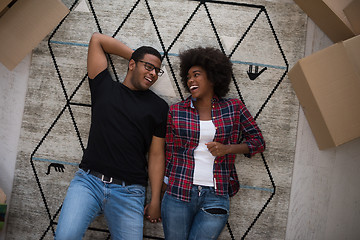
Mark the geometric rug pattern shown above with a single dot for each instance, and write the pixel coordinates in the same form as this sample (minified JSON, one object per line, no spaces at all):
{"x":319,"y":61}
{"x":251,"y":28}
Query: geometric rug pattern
{"x":260,"y":69}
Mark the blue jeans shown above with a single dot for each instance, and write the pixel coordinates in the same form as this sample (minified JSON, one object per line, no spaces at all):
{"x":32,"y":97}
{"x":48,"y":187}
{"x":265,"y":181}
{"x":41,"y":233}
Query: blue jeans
{"x":204,"y":217}
{"x":87,"y":197}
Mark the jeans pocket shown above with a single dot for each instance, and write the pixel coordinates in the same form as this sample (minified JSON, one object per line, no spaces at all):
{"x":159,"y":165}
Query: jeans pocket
{"x":80,"y":172}
{"x":136,"y":190}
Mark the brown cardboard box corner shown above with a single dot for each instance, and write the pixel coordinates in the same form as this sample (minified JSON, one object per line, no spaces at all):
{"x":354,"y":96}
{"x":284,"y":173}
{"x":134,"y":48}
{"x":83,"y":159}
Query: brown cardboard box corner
{"x":327,"y":84}
{"x":352,"y":13}
{"x":329,"y":16}
{"x":2,"y":197}
{"x":24,"y":25}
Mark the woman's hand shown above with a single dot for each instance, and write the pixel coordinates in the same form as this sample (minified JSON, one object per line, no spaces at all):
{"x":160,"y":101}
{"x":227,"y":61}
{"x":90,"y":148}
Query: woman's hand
{"x":218,"y":149}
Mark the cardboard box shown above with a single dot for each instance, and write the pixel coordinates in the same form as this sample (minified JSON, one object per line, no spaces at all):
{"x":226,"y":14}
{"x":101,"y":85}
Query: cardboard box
{"x":2,"y":197}
{"x":327,"y":84}
{"x":329,"y":16}
{"x":4,"y":4}
{"x":352,"y":13}
{"x":24,"y":25}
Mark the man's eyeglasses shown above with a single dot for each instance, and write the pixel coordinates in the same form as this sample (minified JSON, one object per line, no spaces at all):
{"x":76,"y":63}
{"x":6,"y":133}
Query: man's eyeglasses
{"x":148,"y":66}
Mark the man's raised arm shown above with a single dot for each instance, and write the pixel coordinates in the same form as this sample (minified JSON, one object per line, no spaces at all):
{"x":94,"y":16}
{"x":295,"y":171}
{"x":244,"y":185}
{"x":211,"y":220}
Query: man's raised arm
{"x":99,"y":45}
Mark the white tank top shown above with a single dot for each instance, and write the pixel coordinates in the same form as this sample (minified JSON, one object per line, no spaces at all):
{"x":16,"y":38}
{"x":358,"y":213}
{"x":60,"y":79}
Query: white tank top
{"x":204,"y":160}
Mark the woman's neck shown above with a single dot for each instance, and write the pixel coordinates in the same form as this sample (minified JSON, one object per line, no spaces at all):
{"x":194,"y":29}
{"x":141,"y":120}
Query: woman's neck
{"x":203,"y":106}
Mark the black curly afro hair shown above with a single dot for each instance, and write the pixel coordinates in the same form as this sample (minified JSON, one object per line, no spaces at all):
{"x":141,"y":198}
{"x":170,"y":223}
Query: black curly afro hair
{"x":217,"y":65}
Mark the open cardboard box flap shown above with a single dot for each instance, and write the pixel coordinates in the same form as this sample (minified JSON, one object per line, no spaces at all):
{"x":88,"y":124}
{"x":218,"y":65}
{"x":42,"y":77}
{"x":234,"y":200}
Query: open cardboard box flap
{"x":24,"y":25}
{"x":330,"y":17}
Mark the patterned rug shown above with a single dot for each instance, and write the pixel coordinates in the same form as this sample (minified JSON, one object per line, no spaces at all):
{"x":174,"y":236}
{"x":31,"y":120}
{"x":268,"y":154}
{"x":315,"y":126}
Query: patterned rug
{"x":263,"y":40}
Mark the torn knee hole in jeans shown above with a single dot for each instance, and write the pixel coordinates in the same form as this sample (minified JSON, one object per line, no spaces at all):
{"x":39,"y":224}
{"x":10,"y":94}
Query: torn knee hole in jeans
{"x":216,"y":211}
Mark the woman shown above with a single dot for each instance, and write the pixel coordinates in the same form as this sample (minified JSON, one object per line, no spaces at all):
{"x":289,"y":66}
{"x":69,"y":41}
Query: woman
{"x":202,"y":141}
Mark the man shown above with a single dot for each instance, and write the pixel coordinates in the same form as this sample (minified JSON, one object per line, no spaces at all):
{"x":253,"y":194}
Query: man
{"x":127,"y":122}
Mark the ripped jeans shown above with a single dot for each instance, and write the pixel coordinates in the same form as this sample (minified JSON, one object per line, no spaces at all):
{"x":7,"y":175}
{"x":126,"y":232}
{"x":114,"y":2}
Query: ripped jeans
{"x":204,"y":217}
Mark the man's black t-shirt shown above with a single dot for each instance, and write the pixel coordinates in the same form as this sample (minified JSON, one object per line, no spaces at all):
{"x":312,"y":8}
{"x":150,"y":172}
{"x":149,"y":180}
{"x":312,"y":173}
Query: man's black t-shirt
{"x":123,"y":123}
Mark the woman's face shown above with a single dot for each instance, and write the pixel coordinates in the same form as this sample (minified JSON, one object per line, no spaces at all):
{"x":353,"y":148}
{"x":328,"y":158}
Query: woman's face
{"x":198,"y":83}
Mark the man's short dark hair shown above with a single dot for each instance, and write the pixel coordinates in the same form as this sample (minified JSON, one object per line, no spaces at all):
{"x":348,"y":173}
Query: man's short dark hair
{"x":217,"y":65}
{"x":139,"y":53}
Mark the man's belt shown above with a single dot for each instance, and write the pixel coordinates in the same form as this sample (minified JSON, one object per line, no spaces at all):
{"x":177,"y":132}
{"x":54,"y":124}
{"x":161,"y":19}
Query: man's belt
{"x":106,"y":179}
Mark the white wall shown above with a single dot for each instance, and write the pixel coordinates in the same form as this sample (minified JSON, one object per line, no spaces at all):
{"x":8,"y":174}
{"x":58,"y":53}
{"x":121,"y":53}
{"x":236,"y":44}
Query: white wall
{"x":13,"y":86}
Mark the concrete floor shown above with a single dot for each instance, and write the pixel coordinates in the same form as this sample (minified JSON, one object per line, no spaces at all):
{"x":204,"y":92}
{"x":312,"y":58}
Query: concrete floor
{"x":324,"y":202}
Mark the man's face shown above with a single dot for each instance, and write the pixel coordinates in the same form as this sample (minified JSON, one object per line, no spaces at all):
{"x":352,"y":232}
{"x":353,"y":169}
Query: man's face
{"x":142,"y":78}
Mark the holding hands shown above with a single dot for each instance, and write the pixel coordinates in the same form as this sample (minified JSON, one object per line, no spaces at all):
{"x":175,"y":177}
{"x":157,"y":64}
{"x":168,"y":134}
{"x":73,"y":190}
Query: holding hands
{"x":152,"y":212}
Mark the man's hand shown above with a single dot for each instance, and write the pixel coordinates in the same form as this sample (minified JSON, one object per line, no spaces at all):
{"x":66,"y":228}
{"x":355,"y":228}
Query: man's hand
{"x":152,"y":212}
{"x":99,"y":45}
